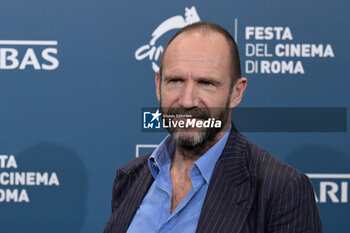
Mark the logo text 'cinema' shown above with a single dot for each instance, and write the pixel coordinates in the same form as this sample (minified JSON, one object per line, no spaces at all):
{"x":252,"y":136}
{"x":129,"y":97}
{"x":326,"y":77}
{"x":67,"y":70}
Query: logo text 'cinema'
{"x":28,"y":54}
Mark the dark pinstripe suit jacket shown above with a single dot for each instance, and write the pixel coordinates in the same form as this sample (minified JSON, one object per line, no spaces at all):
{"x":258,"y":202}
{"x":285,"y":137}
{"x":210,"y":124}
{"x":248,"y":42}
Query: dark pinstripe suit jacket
{"x":250,"y":191}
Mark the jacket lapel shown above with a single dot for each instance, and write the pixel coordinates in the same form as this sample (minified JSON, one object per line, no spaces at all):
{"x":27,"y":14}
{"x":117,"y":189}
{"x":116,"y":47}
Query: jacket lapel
{"x":136,"y":183}
{"x":231,"y":190}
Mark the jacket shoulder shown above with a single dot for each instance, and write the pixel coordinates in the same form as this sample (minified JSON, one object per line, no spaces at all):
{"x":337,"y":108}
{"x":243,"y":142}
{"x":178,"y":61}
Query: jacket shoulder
{"x":272,"y":174}
{"x":261,"y":161}
{"x":282,"y":191}
{"x":125,"y":178}
{"x":136,"y":164}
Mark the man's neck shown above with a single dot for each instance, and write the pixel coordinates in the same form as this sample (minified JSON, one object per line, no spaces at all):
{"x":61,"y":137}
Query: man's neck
{"x":182,"y":161}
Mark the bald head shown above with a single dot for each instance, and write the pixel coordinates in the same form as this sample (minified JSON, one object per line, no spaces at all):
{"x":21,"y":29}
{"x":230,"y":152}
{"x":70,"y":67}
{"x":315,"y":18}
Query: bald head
{"x":209,"y":30}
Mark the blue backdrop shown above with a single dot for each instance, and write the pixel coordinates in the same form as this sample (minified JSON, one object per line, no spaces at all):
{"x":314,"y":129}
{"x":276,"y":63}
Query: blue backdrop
{"x":74,"y":76}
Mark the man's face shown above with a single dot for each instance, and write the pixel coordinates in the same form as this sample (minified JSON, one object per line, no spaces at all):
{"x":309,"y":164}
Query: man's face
{"x":196,"y":81}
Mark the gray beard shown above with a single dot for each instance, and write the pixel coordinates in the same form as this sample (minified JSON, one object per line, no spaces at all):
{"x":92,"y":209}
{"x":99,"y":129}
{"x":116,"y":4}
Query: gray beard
{"x":198,"y":141}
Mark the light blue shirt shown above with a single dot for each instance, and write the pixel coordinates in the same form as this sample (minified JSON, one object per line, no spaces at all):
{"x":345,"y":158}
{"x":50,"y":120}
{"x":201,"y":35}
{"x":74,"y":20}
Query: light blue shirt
{"x":154,"y":215}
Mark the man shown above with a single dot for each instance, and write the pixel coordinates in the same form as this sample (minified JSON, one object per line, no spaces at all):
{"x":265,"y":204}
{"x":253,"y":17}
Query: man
{"x":208,"y":179}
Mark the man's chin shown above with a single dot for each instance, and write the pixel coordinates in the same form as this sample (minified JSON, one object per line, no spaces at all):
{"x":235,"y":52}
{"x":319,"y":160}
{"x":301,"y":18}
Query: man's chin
{"x":189,"y":138}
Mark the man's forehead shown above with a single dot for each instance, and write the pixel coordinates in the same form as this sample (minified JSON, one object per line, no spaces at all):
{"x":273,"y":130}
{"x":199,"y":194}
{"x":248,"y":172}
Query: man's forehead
{"x":196,"y":36}
{"x":198,"y":45}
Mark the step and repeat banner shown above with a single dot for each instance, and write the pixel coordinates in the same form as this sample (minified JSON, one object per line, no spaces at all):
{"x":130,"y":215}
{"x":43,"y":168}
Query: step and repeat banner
{"x":75,"y":77}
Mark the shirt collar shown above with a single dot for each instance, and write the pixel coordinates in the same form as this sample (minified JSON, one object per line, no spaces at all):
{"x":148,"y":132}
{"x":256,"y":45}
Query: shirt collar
{"x":161,"y":155}
{"x":206,"y":163}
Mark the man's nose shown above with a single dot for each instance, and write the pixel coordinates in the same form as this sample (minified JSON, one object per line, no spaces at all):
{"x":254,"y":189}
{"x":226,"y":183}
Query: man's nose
{"x":188,"y":98}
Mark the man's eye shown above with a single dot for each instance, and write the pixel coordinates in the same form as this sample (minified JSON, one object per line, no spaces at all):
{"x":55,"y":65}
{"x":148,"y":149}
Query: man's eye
{"x":175,"y":81}
{"x":205,"y":83}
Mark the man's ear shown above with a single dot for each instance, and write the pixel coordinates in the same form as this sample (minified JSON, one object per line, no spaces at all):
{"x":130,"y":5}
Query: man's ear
{"x":237,"y":92}
{"x":157,"y":80}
